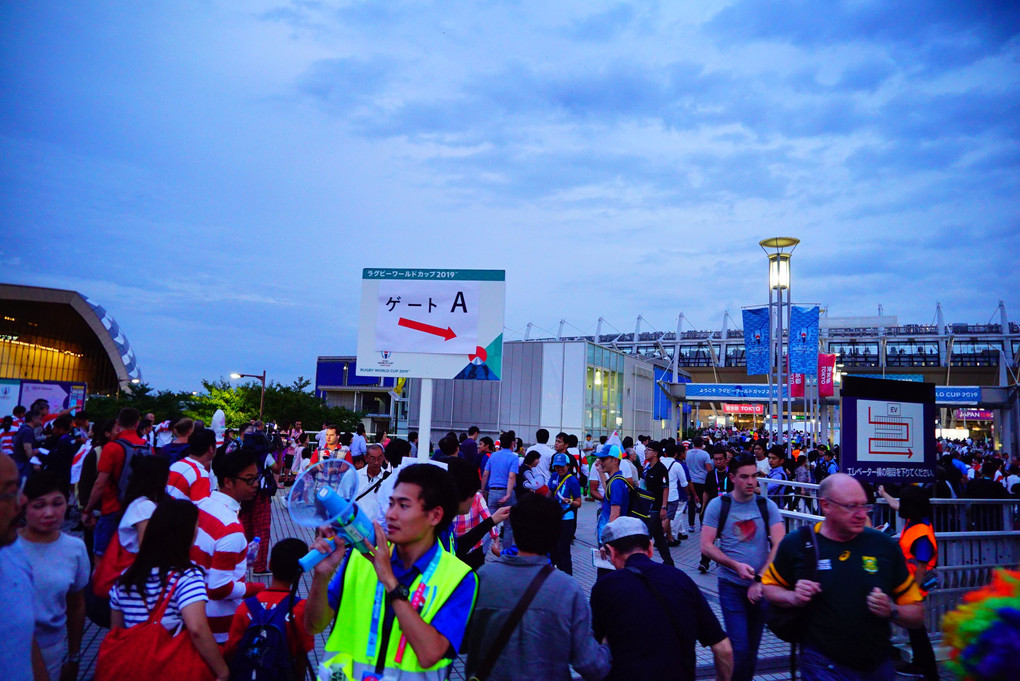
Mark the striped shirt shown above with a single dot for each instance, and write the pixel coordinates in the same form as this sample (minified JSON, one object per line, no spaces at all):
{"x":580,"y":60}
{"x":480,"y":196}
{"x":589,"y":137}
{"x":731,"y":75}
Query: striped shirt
{"x":221,"y":548}
{"x":190,"y":589}
{"x":189,"y":480}
{"x":7,"y":441}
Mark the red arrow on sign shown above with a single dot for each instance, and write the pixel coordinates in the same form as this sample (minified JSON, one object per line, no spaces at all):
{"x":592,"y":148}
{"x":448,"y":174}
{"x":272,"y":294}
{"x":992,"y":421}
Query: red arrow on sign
{"x":446,"y":334}
{"x":909,"y":453}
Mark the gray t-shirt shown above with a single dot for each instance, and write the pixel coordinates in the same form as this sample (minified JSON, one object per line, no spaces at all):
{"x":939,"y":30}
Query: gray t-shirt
{"x":58,"y":568}
{"x":696,"y":460}
{"x":745,"y":537}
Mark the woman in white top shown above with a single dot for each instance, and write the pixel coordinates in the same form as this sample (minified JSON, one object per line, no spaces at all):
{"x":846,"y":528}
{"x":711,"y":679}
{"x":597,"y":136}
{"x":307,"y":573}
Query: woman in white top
{"x":60,"y":571}
{"x":146,"y":489}
{"x":164,"y":564}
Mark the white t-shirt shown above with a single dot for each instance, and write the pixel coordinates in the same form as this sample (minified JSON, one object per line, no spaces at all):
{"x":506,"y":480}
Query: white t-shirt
{"x":763,"y":466}
{"x":370,"y":502}
{"x":628,"y":470}
{"x":138,"y":510}
{"x":677,"y":477}
{"x":59,"y":568}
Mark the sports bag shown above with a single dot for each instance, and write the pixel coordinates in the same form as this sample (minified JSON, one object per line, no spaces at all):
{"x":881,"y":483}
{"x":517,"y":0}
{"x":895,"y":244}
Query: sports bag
{"x":148,"y":651}
{"x":641,"y":502}
{"x":263,"y":653}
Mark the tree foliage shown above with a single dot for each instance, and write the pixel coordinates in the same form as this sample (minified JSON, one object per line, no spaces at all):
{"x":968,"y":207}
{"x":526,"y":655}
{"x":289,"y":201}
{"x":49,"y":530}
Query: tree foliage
{"x":240,"y":403}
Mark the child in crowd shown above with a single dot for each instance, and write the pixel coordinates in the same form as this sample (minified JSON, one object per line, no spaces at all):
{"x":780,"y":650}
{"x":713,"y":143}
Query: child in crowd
{"x":277,"y":606}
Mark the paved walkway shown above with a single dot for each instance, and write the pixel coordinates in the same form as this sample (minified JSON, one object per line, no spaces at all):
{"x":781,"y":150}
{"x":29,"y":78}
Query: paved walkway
{"x":773,"y":662}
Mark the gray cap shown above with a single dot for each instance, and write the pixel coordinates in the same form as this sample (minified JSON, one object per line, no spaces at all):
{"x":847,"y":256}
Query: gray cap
{"x":624,"y":527}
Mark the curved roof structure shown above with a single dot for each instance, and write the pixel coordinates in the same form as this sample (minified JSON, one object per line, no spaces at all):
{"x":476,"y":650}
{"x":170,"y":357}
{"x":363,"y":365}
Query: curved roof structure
{"x":60,"y":321}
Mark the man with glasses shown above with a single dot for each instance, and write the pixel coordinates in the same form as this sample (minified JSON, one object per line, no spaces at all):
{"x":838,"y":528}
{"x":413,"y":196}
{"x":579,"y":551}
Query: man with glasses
{"x":220,"y":545}
{"x":862,"y":585}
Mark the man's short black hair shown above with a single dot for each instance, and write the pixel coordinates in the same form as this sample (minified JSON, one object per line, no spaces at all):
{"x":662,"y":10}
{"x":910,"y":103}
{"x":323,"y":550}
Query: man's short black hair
{"x":231,"y":464}
{"x":19,"y":410}
{"x":62,"y":422}
{"x":535,"y":520}
{"x":437,"y":489}
{"x":654,"y":445}
{"x":740,"y":461}
{"x":472,"y":430}
{"x":465,"y":476}
{"x":200,"y":441}
{"x":542,"y":436}
{"x":396,"y":449}
{"x":697,"y":442}
{"x":486,"y":440}
{"x":283,"y":560}
{"x":506,"y":441}
{"x":564,"y":437}
{"x":128,"y":417}
{"x":31,"y":415}
{"x":449,"y":445}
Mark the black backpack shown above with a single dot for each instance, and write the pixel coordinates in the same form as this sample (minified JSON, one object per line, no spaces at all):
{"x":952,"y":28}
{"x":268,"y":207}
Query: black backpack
{"x":258,"y":443}
{"x":263,"y":653}
{"x":641,"y":501}
{"x":130,"y":452}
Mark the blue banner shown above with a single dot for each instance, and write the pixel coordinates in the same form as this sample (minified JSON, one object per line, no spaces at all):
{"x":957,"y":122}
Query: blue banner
{"x":756,"y":340}
{"x":803,"y":346}
{"x":747,"y":392}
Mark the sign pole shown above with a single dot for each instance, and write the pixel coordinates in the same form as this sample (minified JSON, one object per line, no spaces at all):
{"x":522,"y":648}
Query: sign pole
{"x":425,"y":420}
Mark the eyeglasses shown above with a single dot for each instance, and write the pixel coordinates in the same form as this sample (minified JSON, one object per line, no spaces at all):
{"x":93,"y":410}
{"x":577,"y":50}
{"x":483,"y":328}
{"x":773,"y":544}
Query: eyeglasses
{"x":7,"y":496}
{"x":853,"y":508}
{"x":251,"y":481}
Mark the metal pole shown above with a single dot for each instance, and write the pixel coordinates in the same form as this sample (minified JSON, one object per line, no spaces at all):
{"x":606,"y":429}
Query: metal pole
{"x":425,"y":420}
{"x":262,"y":401}
{"x":780,"y":381}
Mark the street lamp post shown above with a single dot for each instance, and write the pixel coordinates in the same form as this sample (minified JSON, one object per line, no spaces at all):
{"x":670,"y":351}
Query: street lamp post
{"x":262,"y":378}
{"x":779,"y":250}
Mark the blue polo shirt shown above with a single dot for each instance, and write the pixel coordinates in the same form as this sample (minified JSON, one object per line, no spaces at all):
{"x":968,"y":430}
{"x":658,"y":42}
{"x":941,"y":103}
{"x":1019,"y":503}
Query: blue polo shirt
{"x":452,"y":618}
{"x":618,"y":494}
{"x":500,"y":464}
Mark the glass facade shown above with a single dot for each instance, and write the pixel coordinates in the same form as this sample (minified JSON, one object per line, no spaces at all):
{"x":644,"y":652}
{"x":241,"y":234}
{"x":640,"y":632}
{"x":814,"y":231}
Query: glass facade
{"x":603,"y":401}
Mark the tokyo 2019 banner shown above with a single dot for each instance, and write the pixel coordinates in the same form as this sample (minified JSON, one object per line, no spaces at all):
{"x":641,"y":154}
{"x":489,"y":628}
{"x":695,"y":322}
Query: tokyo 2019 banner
{"x":803,"y":345}
{"x":756,"y":340}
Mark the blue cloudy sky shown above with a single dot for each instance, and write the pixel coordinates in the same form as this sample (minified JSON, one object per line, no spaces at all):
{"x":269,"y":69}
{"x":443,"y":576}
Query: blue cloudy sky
{"x":218,"y":173}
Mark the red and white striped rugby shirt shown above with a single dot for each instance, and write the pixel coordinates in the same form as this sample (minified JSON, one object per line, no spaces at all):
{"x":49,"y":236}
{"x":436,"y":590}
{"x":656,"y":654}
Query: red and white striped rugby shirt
{"x":189,"y":480}
{"x":221,"y":548}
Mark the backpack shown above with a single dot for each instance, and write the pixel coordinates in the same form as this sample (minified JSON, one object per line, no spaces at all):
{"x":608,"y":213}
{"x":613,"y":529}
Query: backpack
{"x":641,"y":501}
{"x":263,"y":653}
{"x":258,"y":443}
{"x":130,"y":452}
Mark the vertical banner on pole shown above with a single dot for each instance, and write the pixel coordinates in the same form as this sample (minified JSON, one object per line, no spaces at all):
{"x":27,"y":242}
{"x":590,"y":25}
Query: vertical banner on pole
{"x":826,"y":375}
{"x":756,"y":340}
{"x":803,"y":340}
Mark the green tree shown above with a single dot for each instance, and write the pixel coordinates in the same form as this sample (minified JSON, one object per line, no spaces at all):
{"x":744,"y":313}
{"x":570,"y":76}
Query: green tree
{"x":163,"y":404}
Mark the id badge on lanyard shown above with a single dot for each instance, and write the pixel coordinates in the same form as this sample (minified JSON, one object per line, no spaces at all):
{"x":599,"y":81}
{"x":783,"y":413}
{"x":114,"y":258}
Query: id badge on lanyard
{"x":418,"y":600}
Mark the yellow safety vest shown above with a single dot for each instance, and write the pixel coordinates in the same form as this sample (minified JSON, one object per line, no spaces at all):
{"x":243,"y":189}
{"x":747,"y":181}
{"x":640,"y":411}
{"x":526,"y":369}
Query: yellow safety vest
{"x":355,"y":649}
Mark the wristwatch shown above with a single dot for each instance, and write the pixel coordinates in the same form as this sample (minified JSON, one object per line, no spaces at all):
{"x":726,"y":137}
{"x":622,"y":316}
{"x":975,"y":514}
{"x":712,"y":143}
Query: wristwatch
{"x":399,"y":593}
{"x":757,"y":578}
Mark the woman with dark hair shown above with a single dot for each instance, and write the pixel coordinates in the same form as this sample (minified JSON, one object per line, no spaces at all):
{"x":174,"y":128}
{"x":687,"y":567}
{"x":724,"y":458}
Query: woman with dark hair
{"x":145,"y":491}
{"x":163,"y":569}
{"x":60,"y":572}
{"x":102,"y":432}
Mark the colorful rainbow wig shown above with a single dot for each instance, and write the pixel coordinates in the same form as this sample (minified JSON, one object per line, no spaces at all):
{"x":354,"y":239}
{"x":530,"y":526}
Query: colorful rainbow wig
{"x":984,"y":633}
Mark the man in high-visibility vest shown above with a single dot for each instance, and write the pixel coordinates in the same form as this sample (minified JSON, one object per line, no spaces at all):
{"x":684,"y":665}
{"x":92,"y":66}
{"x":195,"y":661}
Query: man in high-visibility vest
{"x":401,"y":613}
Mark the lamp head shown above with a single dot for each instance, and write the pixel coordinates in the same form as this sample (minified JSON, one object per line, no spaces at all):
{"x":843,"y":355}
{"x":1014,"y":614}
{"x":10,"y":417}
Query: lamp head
{"x":235,"y":375}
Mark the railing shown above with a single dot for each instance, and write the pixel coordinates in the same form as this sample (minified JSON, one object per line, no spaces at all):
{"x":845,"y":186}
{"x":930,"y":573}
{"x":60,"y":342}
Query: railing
{"x":974,"y":537}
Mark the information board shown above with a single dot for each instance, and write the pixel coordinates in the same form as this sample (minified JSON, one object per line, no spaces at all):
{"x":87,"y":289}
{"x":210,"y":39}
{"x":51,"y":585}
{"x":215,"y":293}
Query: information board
{"x":432,"y":323}
{"x":888,"y":430}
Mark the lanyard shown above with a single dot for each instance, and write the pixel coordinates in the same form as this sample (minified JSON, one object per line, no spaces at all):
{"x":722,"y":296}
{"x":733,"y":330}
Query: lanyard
{"x":417,"y":601}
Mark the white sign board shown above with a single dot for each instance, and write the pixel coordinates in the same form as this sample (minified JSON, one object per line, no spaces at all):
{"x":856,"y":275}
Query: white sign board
{"x":889,"y":431}
{"x":431,"y":323}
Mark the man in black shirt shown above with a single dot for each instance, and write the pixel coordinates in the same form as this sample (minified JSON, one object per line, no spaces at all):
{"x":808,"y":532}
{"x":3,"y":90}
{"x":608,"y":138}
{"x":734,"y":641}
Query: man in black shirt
{"x":651,"y":614}
{"x":717,"y":483}
{"x":657,"y":484}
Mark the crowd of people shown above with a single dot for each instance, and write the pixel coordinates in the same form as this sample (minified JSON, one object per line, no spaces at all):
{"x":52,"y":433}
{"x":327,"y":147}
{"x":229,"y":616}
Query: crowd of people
{"x":471,"y":555}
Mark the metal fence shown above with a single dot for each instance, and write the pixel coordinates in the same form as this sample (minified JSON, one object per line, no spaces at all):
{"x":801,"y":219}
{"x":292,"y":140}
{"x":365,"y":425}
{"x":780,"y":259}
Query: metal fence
{"x":974,"y":536}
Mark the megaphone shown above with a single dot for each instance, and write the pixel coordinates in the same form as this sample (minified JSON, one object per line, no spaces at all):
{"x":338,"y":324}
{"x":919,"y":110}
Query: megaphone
{"x":324,"y":495}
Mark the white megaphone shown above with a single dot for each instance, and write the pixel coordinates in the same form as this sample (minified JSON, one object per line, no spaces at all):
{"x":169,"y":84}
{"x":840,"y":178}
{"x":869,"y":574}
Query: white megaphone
{"x":324,"y":495}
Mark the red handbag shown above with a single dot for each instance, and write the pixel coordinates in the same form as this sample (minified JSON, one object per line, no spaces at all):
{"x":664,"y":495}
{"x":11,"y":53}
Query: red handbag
{"x":148,"y":651}
{"x":110,"y":567}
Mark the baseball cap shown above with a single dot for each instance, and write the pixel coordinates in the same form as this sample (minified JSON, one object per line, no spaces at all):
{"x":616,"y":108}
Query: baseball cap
{"x":611,"y":452}
{"x":624,"y":527}
{"x":560,"y":459}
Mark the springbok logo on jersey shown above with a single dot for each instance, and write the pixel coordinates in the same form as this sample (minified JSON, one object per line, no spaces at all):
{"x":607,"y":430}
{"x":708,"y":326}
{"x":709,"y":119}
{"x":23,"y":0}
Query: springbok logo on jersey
{"x":870,"y":564}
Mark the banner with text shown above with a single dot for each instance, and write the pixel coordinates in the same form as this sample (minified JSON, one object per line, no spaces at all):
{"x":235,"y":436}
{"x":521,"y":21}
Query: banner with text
{"x":803,"y":342}
{"x":758,"y":409}
{"x":756,"y":340}
{"x":826,"y":375}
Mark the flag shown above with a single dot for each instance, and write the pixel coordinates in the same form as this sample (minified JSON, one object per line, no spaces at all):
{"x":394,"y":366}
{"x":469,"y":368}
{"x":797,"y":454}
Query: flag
{"x":756,"y":340}
{"x":826,"y":375}
{"x":803,"y":340}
